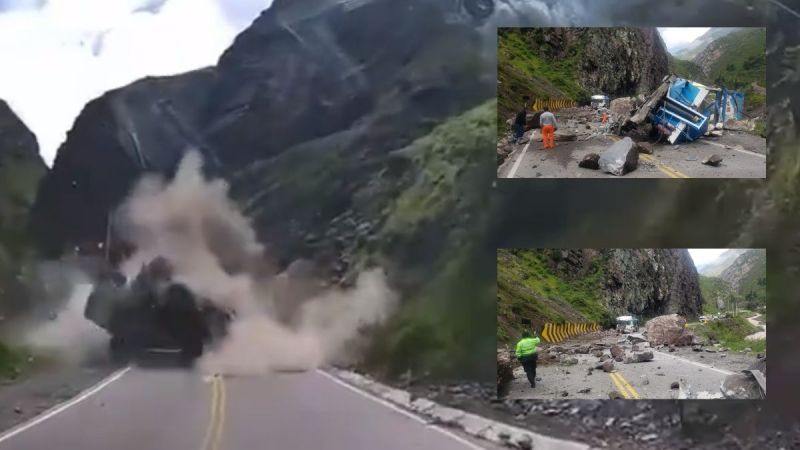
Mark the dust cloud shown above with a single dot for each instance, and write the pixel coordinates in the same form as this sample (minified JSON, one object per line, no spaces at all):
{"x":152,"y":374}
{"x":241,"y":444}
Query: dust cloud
{"x":66,"y":334}
{"x":191,"y":222}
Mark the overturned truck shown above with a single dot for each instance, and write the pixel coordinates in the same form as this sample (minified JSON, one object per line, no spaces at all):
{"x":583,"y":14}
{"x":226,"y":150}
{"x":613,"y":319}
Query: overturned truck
{"x":155,"y":313}
{"x":683,"y":111}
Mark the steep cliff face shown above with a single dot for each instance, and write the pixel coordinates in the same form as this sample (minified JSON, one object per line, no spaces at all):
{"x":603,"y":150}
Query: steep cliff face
{"x":593,"y":285}
{"x":304,"y":79}
{"x":574,"y":63}
{"x":748,"y":271}
{"x":352,"y":134}
{"x":21,"y":168}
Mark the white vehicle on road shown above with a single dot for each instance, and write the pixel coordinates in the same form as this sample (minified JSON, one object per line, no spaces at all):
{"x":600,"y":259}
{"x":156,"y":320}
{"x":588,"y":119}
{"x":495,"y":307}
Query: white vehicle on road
{"x":627,"y":324}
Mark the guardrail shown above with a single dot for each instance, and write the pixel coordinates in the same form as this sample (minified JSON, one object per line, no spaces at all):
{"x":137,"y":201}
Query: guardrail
{"x":557,"y":332}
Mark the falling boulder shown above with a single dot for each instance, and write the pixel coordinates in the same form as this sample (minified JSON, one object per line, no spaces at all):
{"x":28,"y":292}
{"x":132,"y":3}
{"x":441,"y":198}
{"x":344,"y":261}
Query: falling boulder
{"x":713,"y":160}
{"x":620,"y":158}
{"x":590,"y":161}
{"x":666,"y":330}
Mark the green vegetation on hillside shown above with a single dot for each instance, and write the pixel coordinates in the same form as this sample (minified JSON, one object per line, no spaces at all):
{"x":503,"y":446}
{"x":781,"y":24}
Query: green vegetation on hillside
{"x":434,"y":330}
{"x":522,"y":72}
{"x":686,"y":69}
{"x":527,"y":289}
{"x":713,"y":288}
{"x":730,"y":332}
{"x":742,"y":59}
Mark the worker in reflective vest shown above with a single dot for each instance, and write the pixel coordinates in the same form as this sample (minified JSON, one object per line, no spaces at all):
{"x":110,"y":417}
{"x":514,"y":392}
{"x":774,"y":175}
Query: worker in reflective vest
{"x":526,"y":353}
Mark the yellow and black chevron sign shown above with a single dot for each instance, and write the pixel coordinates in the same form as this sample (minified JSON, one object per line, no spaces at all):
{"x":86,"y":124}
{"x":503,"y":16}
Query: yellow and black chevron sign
{"x":553,"y":104}
{"x":557,"y":332}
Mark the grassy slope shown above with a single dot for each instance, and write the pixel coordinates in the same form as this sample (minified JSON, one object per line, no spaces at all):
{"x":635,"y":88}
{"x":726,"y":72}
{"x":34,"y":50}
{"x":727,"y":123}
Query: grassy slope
{"x":686,"y":69}
{"x":742,"y":61}
{"x":711,"y":288}
{"x":753,"y":287}
{"x":730,"y":332}
{"x":528,"y":289}
{"x":522,"y":72}
{"x":435,"y":330}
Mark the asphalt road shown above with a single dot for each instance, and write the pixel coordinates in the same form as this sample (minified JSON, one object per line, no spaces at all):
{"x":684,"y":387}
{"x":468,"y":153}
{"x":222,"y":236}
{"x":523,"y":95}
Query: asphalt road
{"x":173,"y":409}
{"x":744,"y":156}
{"x":646,"y":380}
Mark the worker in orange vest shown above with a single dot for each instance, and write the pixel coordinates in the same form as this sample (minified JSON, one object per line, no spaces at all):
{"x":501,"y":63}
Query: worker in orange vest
{"x":547,"y":121}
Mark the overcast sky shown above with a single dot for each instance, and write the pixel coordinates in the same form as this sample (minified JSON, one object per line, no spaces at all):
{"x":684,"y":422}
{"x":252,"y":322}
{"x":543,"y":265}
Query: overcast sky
{"x":703,"y":256}
{"x":59,"y":54}
{"x":676,"y":38}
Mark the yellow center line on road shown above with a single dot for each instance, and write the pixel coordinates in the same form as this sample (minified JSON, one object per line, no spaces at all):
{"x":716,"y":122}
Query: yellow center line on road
{"x":213,"y":436}
{"x":669,"y":171}
{"x":623,"y":386}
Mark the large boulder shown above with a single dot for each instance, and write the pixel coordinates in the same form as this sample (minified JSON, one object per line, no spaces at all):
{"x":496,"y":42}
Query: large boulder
{"x":563,"y":136}
{"x":617,"y":351}
{"x":620,"y":158}
{"x":623,"y":106}
{"x":667,"y":330}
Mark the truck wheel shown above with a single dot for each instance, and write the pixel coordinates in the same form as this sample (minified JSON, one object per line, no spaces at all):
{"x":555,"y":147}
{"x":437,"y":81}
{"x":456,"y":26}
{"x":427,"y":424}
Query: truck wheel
{"x":479,"y":9}
{"x":190,"y":352}
{"x":120,"y":350}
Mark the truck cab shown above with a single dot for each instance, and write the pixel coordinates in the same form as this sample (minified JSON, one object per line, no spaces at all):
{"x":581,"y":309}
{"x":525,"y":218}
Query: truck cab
{"x":627,"y":324}
{"x":599,"y":101}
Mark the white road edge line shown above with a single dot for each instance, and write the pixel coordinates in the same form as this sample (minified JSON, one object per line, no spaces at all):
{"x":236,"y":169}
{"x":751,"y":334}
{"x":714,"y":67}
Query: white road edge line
{"x":402,"y":411}
{"x":63,"y":406}
{"x":521,"y":156}
{"x":737,"y":149}
{"x":705,"y":366}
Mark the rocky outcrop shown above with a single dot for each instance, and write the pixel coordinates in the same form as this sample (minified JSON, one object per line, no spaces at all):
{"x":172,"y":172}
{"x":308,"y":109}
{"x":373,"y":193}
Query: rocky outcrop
{"x":300,"y":93}
{"x":750,"y":264}
{"x":645,"y":282}
{"x":21,"y":168}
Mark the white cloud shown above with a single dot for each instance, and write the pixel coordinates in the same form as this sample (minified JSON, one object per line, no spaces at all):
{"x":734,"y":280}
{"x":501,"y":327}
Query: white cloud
{"x":52,"y":72}
{"x":679,"y":37}
{"x":703,"y":256}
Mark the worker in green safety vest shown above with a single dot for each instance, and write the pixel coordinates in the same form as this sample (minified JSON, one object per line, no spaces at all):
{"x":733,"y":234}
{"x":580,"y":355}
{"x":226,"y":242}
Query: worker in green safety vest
{"x":527,"y":355}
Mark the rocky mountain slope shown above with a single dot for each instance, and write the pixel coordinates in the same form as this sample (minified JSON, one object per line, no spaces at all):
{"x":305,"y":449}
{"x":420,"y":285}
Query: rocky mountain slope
{"x":689,"y":52}
{"x":592,"y":285}
{"x":736,"y":60}
{"x":339,"y":154}
{"x":737,"y":275}
{"x":21,"y":169}
{"x":574,"y":63}
{"x":722,"y":262}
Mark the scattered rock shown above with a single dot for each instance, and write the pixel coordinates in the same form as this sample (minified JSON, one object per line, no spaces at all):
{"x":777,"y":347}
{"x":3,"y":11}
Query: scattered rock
{"x":635,"y":338}
{"x":623,"y":106}
{"x":585,"y":391}
{"x":590,"y":161}
{"x":713,"y":160}
{"x":618,"y":358}
{"x":598,"y":354}
{"x":739,"y":125}
{"x":17,"y":410}
{"x":620,"y":158}
{"x":649,"y":437}
{"x":674,"y":385}
{"x":608,"y":366}
{"x":671,"y":349}
{"x":691,"y":158}
{"x":564,"y":394}
{"x":697,"y":348}
{"x":614,"y":395}
{"x":564,"y":136}
{"x":747,"y":349}
{"x":617,"y":351}
{"x":645,"y":147}
{"x":660,"y":374}
{"x":643,"y":356}
{"x":505,"y":371}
